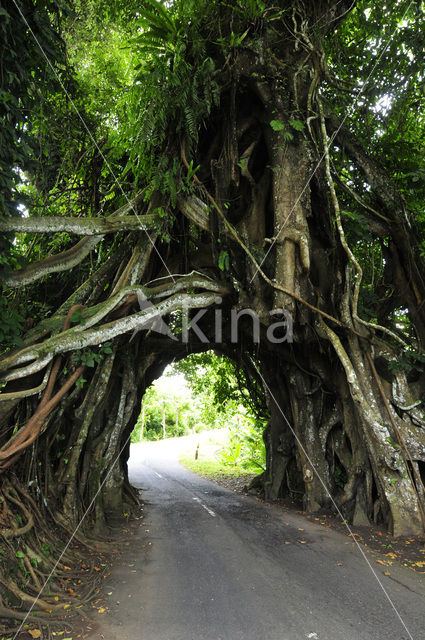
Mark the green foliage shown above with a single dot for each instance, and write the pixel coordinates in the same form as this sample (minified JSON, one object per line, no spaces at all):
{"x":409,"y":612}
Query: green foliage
{"x":296,"y":124}
{"x":277,"y":125}
{"x":393,"y":443}
{"x":287,"y":135}
{"x":25,"y":84}
{"x":340,"y":477}
{"x":248,"y":9}
{"x":389,"y":116}
{"x":11,"y":323}
{"x":170,"y":53}
{"x":212,"y":399}
{"x":409,"y":360}
{"x":91,"y":357}
{"x":180,"y":415}
{"x":245,"y":448}
{"x":224,"y":261}
{"x":145,"y":76}
{"x":233,"y":40}
{"x":212,"y":377}
{"x":223,"y":382}
{"x":215,"y":380}
{"x":212,"y":468}
{"x":47,"y":162}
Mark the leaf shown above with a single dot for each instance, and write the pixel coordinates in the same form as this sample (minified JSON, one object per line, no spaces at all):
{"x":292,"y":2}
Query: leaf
{"x":277,"y":125}
{"x":297,"y":125}
{"x":223,"y":261}
{"x":101,"y":610}
{"x":34,"y":633}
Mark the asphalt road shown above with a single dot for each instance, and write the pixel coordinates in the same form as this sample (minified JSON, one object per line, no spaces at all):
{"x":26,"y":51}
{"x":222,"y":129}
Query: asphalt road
{"x":208,"y":564}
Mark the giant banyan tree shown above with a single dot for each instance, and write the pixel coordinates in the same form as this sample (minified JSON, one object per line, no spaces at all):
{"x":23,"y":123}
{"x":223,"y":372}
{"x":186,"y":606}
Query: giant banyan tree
{"x":261,"y":159}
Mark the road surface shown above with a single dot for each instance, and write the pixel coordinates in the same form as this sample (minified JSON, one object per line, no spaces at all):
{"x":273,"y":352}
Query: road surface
{"x":208,"y":564}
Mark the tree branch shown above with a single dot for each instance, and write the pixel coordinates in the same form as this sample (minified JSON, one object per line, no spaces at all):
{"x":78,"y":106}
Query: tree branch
{"x":66,"y":259}
{"x":39,"y":355}
{"x":53,"y":264}
{"x":78,"y":226}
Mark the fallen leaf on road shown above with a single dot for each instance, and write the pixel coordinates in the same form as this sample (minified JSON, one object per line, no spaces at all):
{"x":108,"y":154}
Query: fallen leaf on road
{"x":35,"y":633}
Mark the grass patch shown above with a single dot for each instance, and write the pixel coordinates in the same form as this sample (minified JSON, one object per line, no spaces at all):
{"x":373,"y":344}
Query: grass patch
{"x":212,"y":468}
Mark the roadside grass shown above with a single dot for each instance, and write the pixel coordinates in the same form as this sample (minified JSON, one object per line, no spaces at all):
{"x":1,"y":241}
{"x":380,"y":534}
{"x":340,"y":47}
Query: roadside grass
{"x":231,"y":477}
{"x":215,"y":462}
{"x":211,"y":468}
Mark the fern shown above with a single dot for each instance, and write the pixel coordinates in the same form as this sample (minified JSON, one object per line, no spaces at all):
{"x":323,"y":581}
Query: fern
{"x":172,"y":90}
